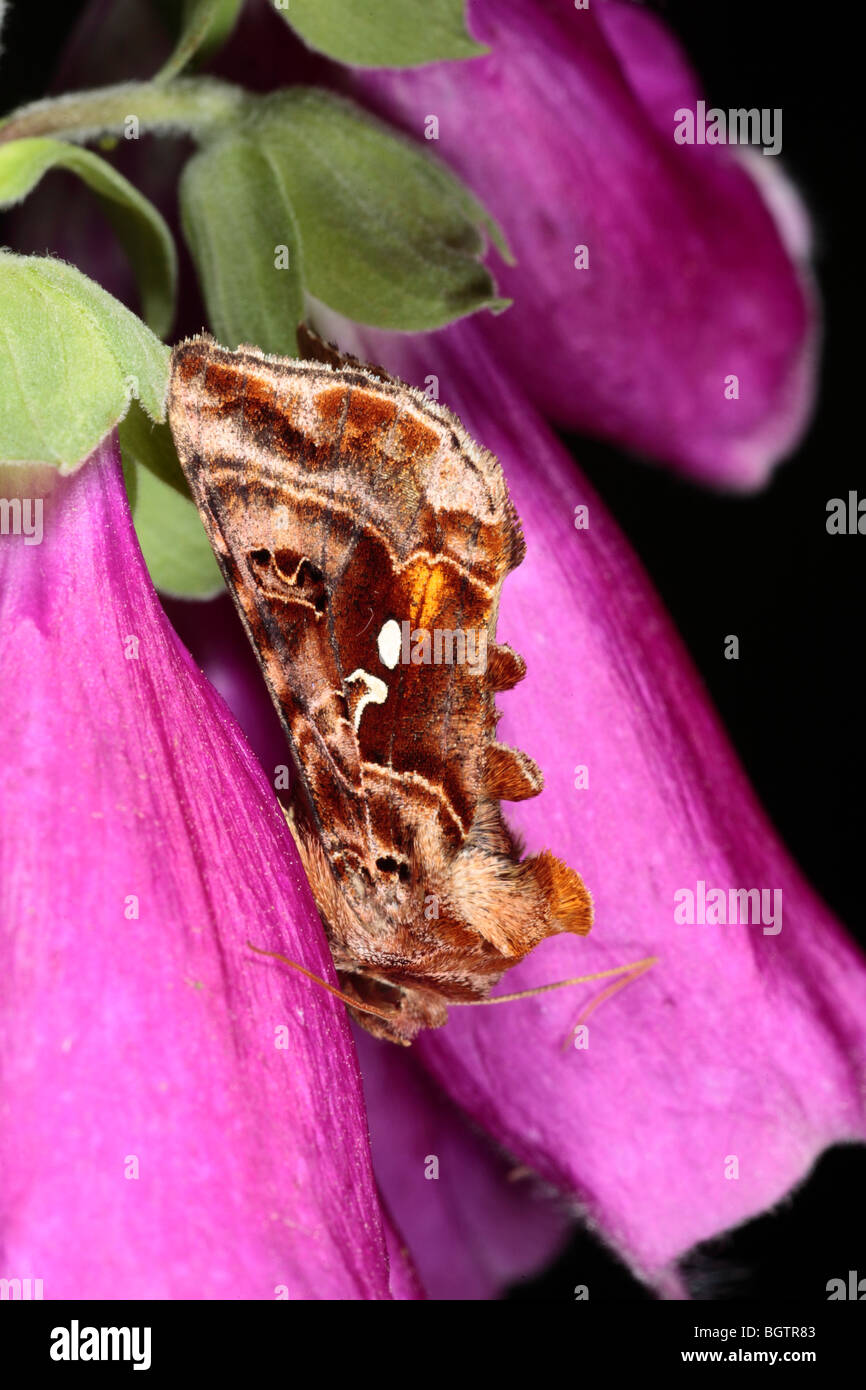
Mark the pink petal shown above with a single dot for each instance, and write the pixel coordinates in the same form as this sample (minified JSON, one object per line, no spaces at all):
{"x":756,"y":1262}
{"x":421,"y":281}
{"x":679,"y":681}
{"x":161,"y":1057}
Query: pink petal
{"x":480,"y":1224}
{"x":151,"y":1041}
{"x":405,"y":1283}
{"x":737,"y":1044}
{"x":565,"y":131}
{"x":698,"y":255}
{"x":476,"y":1229}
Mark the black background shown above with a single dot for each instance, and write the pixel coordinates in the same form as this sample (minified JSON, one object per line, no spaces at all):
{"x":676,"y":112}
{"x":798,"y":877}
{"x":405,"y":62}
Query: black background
{"x":763,"y":567}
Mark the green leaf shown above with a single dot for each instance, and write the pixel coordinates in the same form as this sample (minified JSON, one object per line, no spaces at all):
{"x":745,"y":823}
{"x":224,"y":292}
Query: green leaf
{"x":383,"y":33}
{"x":139,"y":226}
{"x":71,"y":359}
{"x":388,"y":236}
{"x":206,"y":25}
{"x":173,"y":541}
{"x":239,"y":225}
{"x":152,"y":445}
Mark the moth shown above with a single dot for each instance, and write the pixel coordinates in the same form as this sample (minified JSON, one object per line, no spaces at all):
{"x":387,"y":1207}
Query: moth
{"x":348,"y":513}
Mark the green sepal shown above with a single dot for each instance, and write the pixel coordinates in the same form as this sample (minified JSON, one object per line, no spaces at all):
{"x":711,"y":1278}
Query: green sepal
{"x":141,"y":229}
{"x":205,"y":26}
{"x":383,"y":33}
{"x":173,"y":541}
{"x":240,"y":227}
{"x":72,"y":357}
{"x":389,"y":237}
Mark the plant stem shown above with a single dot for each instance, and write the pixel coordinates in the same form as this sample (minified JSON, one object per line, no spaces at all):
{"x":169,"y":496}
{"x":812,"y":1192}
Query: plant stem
{"x":189,"y":106}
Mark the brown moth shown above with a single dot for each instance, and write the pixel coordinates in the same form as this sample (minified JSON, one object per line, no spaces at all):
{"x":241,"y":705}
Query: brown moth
{"x":353,"y":517}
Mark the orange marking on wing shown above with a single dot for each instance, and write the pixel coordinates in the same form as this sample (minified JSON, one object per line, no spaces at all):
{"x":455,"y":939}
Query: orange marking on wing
{"x":426,"y":583}
{"x":330,"y":402}
{"x":368,"y":420}
{"x":417,"y":439}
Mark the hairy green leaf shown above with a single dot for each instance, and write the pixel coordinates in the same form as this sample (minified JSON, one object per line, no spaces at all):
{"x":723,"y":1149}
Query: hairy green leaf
{"x":205,"y":26}
{"x":71,"y":359}
{"x":151,"y":444}
{"x":240,"y":227}
{"x":389,"y":237}
{"x":173,"y":541}
{"x":139,"y":226}
{"x":383,"y":33}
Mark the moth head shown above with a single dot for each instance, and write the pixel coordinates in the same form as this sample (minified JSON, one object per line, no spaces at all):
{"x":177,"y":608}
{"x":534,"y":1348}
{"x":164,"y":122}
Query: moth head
{"x":402,"y":1011}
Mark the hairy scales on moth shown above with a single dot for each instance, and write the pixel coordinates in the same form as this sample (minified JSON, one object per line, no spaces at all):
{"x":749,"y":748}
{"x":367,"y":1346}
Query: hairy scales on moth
{"x":328,"y":490}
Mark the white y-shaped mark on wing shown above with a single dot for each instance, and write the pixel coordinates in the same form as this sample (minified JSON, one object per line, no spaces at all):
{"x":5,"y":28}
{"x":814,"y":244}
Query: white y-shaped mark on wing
{"x":375,"y":694}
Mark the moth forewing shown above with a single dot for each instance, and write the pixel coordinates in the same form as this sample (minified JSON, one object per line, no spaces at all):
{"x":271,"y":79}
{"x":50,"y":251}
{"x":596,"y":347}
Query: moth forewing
{"x":365,"y":539}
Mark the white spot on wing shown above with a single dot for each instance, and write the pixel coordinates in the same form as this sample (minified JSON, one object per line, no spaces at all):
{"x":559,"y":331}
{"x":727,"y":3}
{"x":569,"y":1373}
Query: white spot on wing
{"x":389,"y":642}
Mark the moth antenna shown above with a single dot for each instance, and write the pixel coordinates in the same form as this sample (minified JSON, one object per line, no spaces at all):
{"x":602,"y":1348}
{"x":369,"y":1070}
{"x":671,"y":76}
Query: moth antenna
{"x":337,"y":993}
{"x":631,"y":972}
{"x":638,"y":969}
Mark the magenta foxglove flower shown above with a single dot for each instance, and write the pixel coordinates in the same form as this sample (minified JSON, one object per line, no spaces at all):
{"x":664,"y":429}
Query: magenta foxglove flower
{"x":652,"y":279}
{"x":181,"y":1119}
{"x":704,"y":1091}
{"x":739,"y":1052}
{"x":693,"y":1098}
{"x":648,"y":273}
{"x":474,"y":1220}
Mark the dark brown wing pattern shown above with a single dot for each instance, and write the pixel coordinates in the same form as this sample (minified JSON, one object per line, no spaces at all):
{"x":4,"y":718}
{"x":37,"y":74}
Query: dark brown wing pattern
{"x":365,"y":537}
